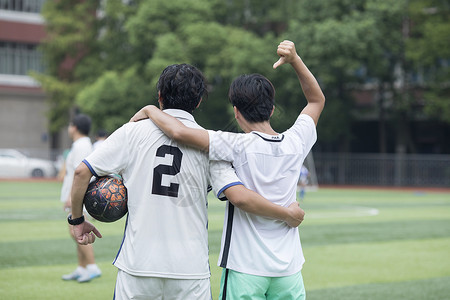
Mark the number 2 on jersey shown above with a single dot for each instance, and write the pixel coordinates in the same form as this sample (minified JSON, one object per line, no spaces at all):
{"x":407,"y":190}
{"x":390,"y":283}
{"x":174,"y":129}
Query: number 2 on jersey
{"x":161,"y":169}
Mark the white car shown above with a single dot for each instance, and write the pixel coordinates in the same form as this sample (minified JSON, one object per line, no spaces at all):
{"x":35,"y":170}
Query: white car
{"x":15,"y":164}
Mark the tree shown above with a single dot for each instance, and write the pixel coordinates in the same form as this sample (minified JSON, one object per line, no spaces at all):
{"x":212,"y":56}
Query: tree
{"x":71,"y":38}
{"x":333,"y":37}
{"x":118,"y":54}
{"x":258,"y":16}
{"x":359,"y":45}
{"x":162,"y":33}
{"x":428,"y":47}
{"x":113,"y":98}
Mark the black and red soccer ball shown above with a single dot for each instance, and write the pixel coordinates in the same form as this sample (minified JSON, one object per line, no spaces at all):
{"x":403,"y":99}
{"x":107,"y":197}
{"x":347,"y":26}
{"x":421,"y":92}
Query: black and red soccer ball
{"x":106,"y":199}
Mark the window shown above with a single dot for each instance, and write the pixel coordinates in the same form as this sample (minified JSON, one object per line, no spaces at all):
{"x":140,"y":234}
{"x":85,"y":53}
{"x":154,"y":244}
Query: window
{"x":19,"y":58}
{"x":30,"y":6}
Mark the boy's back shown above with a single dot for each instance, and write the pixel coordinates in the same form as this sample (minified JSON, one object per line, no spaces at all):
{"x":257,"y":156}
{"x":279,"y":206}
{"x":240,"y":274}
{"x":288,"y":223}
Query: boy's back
{"x":269,"y":165}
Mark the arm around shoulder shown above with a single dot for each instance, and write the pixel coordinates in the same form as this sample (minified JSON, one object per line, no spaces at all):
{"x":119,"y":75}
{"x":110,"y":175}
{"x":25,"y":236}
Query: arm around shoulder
{"x":173,"y":128}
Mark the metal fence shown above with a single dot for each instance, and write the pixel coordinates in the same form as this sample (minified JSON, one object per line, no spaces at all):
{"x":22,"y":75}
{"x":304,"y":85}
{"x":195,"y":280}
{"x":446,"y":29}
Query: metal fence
{"x":383,"y":169}
{"x":351,"y":169}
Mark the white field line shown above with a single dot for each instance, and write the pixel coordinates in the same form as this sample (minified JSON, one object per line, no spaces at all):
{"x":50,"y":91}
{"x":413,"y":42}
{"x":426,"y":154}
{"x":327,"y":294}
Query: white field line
{"x":345,"y":212}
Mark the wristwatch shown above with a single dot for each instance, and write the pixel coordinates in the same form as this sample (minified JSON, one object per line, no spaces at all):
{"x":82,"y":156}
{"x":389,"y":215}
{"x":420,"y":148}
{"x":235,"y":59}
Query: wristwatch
{"x":76,"y":221}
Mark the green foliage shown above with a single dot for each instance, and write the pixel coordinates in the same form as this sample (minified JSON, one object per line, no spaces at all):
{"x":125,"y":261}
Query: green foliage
{"x":68,"y":33}
{"x":348,"y":44}
{"x":428,"y":39}
{"x":334,"y":38}
{"x":221,"y":52}
{"x":154,"y":18}
{"x":258,"y":16}
{"x":429,"y":49}
{"x":113,"y":93}
{"x":60,"y":94}
{"x":117,"y":55}
{"x":438,"y":100}
{"x":71,"y":36}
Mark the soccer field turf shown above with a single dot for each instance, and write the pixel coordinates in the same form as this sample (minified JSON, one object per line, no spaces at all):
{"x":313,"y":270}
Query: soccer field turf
{"x":358,"y":244}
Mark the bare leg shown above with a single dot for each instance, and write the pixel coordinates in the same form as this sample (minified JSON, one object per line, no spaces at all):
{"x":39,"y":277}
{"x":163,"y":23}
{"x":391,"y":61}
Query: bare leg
{"x":85,"y":255}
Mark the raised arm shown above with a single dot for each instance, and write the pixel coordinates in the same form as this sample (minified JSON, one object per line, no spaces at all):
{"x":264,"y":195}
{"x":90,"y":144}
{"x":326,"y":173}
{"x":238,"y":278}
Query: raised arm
{"x":254,"y":203}
{"x":173,"y":128}
{"x":311,"y":89}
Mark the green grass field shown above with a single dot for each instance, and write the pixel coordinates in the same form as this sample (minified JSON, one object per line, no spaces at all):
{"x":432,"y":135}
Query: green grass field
{"x":358,"y":244}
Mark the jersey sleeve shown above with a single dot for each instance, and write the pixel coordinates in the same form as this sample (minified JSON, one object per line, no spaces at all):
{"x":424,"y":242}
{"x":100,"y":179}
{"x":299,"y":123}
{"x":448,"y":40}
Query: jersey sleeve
{"x":111,"y":156}
{"x":222,"y":176}
{"x":224,"y":145}
{"x":304,"y":128}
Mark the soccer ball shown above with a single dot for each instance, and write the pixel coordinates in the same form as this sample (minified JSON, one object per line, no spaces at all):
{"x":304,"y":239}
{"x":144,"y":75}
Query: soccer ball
{"x":106,"y":199}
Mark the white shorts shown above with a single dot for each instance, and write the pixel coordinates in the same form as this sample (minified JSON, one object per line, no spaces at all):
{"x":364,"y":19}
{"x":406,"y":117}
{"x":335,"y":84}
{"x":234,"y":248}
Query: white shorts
{"x":137,"y":287}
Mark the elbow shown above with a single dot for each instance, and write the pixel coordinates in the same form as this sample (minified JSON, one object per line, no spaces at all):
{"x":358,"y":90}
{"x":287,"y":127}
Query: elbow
{"x":238,"y":196}
{"x":82,"y":173}
{"x":180,"y":135}
{"x":240,"y":202}
{"x":176,"y":134}
{"x":236,"y":201}
{"x":322,"y":101}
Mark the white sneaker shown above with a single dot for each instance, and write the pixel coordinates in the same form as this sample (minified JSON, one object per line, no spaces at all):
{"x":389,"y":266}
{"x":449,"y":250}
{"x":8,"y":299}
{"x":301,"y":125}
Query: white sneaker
{"x":74,"y":275}
{"x":88,"y":275}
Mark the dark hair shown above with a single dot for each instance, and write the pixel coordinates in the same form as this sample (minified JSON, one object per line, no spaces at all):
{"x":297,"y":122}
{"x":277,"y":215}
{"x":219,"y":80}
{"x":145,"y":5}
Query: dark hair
{"x":254,"y":97}
{"x":102,"y":133}
{"x":82,"y":123}
{"x":181,"y":86}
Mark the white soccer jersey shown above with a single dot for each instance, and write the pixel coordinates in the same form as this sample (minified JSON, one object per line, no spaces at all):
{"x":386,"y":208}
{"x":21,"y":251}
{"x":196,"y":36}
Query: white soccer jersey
{"x":166,"y":229}
{"x":268,"y":165}
{"x":80,"y":149}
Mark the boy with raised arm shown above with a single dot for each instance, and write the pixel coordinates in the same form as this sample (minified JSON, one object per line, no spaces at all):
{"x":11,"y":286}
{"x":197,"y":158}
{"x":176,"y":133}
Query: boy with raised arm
{"x":262,"y":258}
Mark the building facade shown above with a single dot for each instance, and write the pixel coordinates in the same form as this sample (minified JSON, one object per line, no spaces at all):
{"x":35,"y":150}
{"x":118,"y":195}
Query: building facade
{"x":23,"y":122}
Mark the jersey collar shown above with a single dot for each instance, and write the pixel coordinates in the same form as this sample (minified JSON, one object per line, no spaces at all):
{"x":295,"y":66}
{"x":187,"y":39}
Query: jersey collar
{"x":180,"y":114}
{"x":269,"y":137}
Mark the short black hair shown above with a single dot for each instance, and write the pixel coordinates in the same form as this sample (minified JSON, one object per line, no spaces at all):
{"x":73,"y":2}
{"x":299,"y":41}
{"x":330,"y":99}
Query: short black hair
{"x":181,"y":86}
{"x":102,"y":133}
{"x":254,"y":97}
{"x":82,"y":123}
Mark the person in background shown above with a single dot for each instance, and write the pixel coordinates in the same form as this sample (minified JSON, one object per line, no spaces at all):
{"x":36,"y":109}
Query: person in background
{"x":302,"y":182}
{"x":100,"y":138}
{"x":62,"y":160}
{"x":78,"y":131}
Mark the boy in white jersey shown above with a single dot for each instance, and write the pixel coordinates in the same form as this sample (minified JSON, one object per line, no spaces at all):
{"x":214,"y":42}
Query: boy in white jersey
{"x":78,"y":131}
{"x":164,"y":253}
{"x":262,"y":258}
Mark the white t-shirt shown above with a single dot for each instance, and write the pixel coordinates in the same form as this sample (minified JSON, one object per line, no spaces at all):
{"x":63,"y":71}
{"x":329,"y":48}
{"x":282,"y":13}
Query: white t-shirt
{"x":268,"y":165}
{"x":80,"y":149}
{"x":97,"y":144}
{"x":166,"y":230}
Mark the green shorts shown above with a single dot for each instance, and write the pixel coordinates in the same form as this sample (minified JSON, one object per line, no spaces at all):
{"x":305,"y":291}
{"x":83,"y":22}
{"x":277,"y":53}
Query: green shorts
{"x":235,"y":285}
